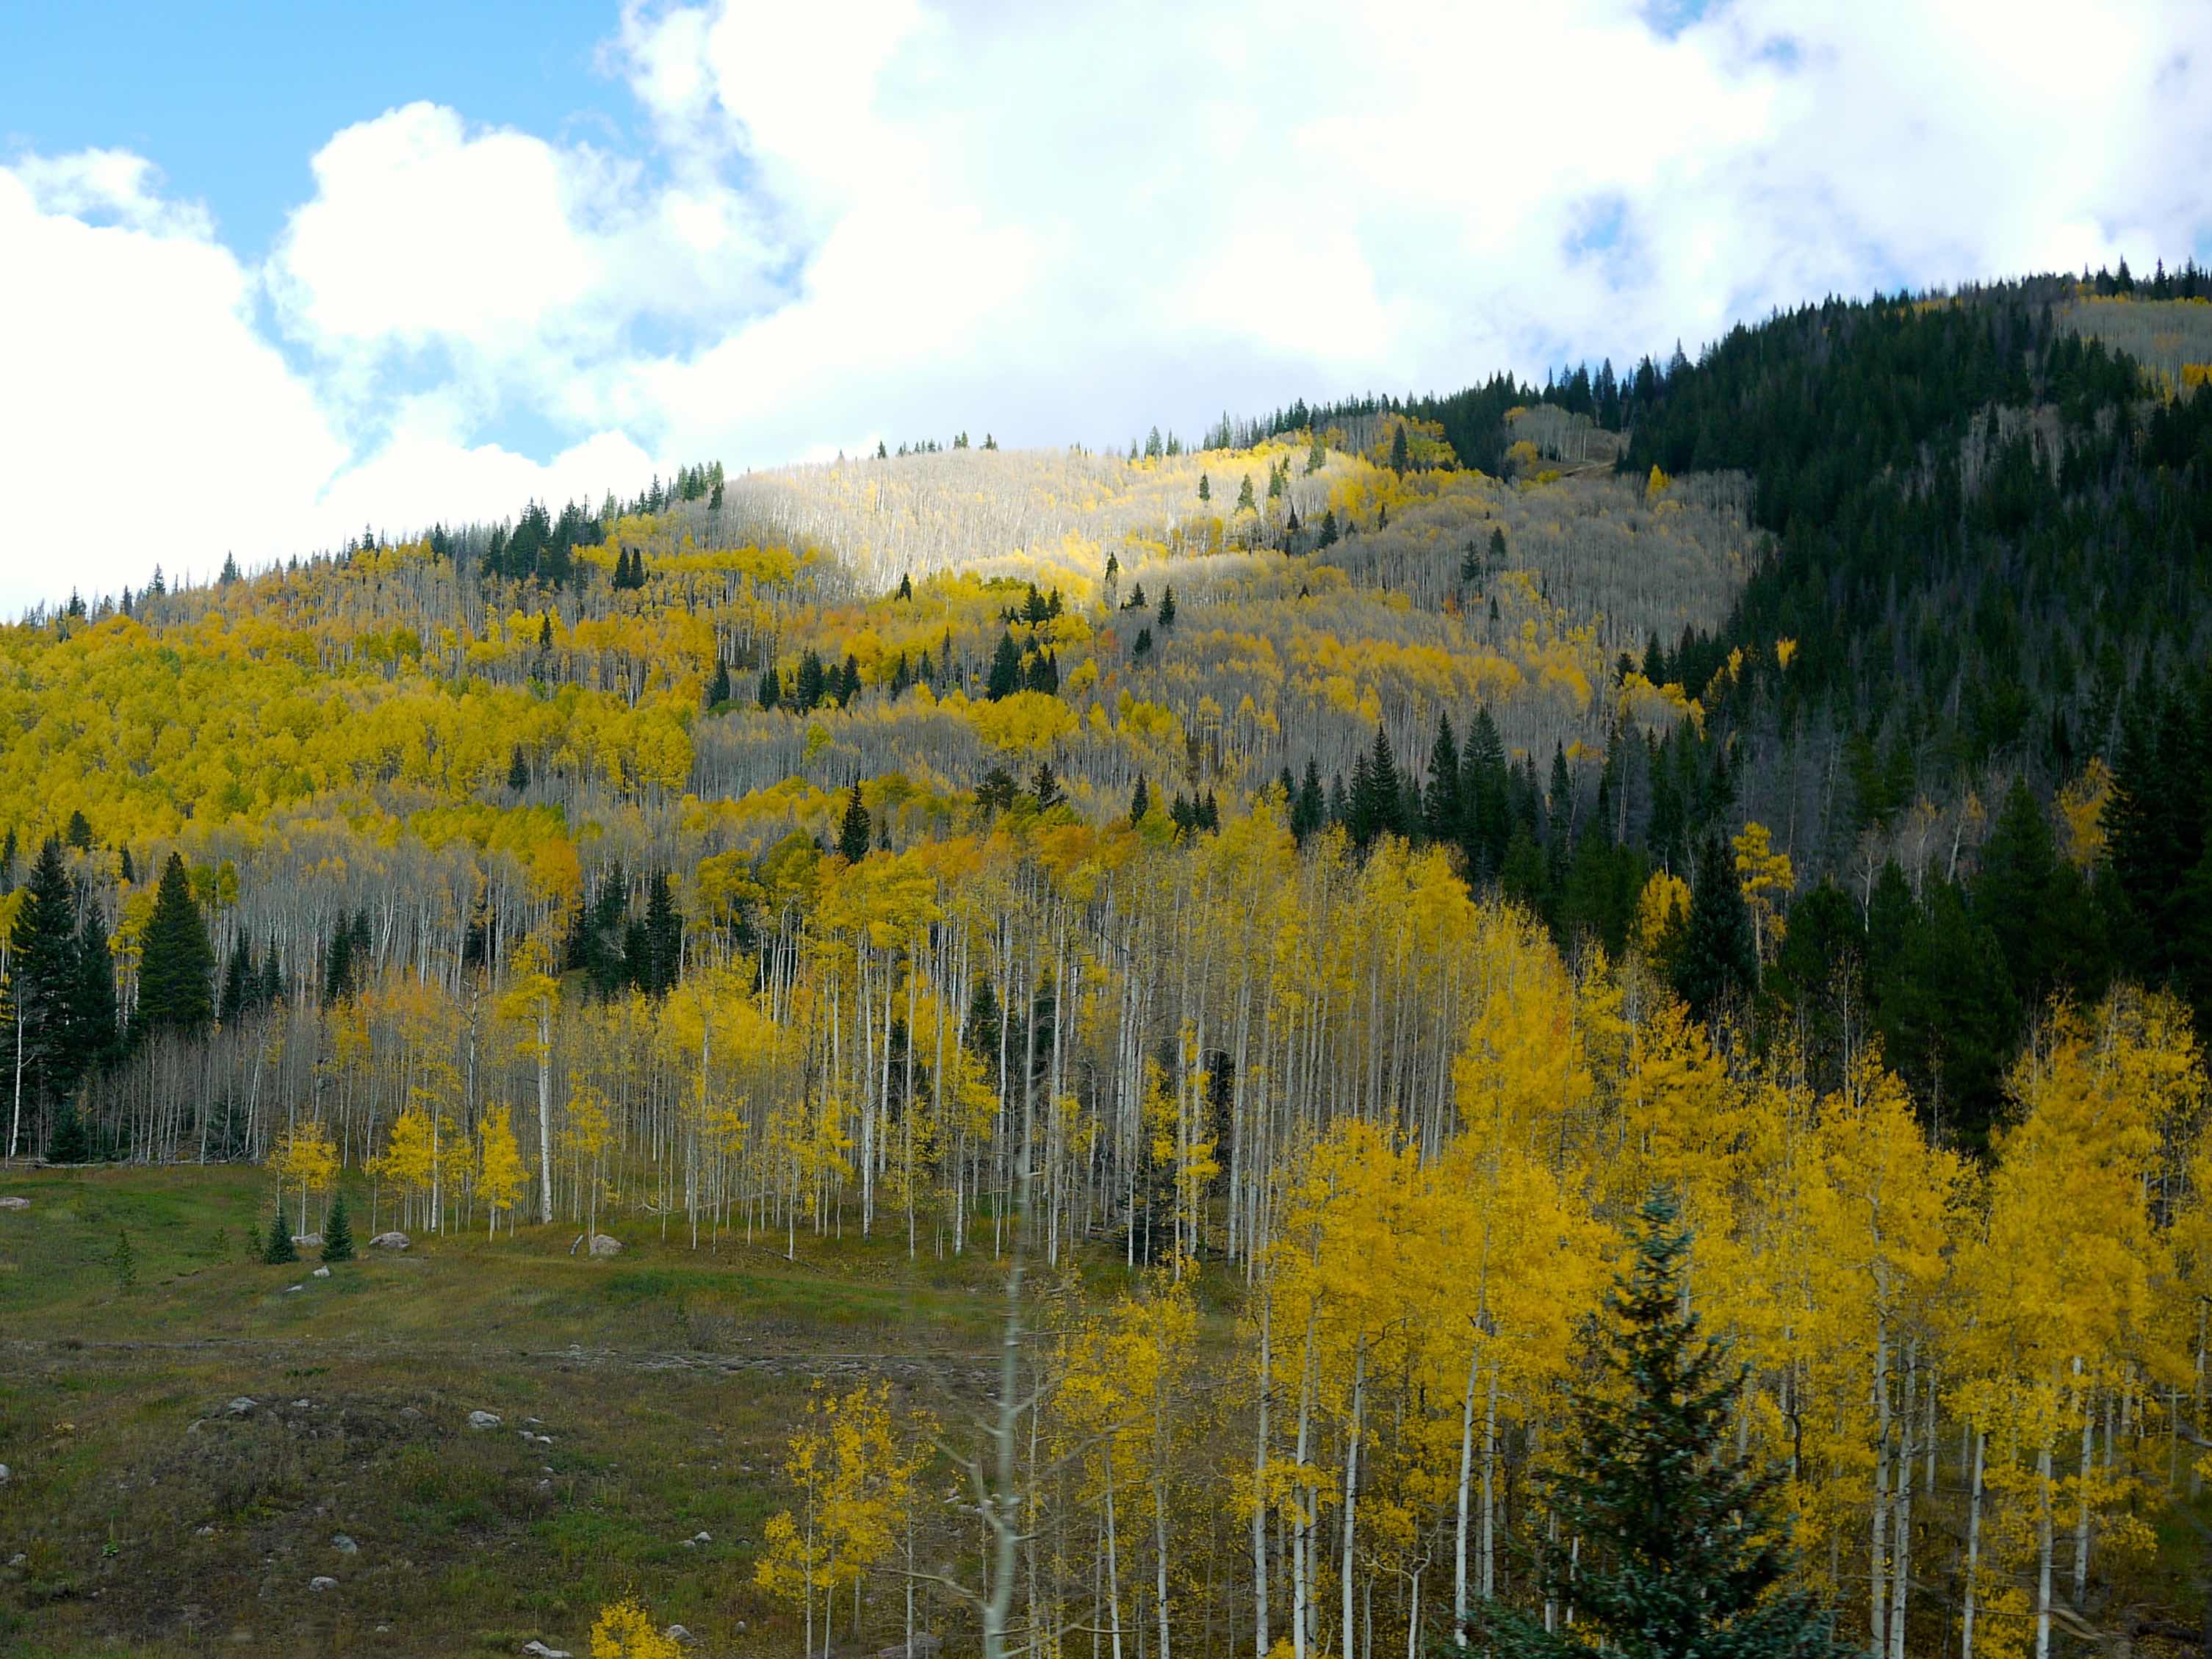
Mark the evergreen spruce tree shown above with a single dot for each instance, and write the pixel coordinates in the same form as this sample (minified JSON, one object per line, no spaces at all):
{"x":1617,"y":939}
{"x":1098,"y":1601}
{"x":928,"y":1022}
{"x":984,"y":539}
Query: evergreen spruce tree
{"x":1140,"y":801}
{"x":42,"y":975}
{"x":79,"y":833}
{"x":1717,"y":961}
{"x":718,"y":688}
{"x":337,"y":1232}
{"x":1005,"y":678}
{"x":1440,"y":813}
{"x":1167,"y":607}
{"x":176,"y":979}
{"x":1309,"y":814}
{"x":1398,"y":458}
{"x":239,"y":981}
{"x":1683,"y":1549}
{"x":664,"y":939}
{"x":68,"y":1143}
{"x":852,"y":832}
{"x":93,"y":1032}
{"x":278,"y":1246}
{"x":123,"y":1263}
{"x":1045,"y":786}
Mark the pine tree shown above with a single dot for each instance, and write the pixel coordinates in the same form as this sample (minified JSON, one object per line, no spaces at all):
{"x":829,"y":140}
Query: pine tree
{"x":176,"y":979}
{"x":1683,"y":1551}
{"x":1440,"y":814}
{"x":853,"y":832}
{"x":518,"y":771}
{"x":1046,"y":787}
{"x":68,"y":1143}
{"x":1327,"y":537}
{"x":337,"y":1232}
{"x":42,"y":973}
{"x":278,"y":1246}
{"x":1398,"y":458}
{"x":78,"y":834}
{"x":1140,"y":801}
{"x":718,"y":688}
{"x":662,"y":960}
{"x":1717,"y":962}
{"x":1376,"y":800}
{"x":1005,"y":678}
{"x":1204,"y":488}
{"x":1167,"y":607}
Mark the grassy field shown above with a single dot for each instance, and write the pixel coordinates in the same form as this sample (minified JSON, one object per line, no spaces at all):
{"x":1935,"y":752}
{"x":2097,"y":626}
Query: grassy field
{"x":155,"y":1519}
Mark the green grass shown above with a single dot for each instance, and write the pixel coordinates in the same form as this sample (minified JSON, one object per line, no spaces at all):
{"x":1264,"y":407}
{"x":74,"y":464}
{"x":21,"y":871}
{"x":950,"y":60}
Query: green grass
{"x":154,"y":1523}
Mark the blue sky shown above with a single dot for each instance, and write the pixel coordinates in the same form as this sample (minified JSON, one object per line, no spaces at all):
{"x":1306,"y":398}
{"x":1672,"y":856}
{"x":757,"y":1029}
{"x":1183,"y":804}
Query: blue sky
{"x":232,"y":99}
{"x":310,"y":266}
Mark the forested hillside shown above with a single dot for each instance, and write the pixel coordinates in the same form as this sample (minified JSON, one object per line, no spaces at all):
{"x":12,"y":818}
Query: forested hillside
{"x":1359,"y":857}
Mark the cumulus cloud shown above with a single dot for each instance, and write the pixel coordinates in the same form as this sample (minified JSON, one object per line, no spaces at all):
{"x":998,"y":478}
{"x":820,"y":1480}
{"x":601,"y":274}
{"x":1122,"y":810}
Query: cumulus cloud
{"x":895,"y":219}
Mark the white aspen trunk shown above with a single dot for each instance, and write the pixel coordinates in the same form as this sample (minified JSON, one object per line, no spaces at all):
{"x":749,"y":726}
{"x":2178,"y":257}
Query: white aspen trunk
{"x":1974,"y":1548}
{"x":2082,"y":1491}
{"x":1466,"y":1480}
{"x":1302,"y":1533}
{"x":1878,"y":1524}
{"x":1112,"y":1567}
{"x":1490,"y":1490}
{"x":2043,"y":1553}
{"x":1259,"y":1492}
{"x":1900,"y":1541}
{"x":1352,"y":1480}
{"x":544,"y":1113}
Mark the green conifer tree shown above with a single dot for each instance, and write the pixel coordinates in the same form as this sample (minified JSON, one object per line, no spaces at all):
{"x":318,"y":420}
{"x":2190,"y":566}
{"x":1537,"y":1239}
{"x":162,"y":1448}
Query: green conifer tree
{"x":176,"y":978}
{"x":337,"y":1232}
{"x":1683,"y":1550}
{"x":854,"y":831}
{"x":278,"y":1246}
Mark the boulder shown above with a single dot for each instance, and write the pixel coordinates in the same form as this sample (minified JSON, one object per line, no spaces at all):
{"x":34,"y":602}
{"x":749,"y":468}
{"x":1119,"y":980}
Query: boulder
{"x":483,"y":1419}
{"x":321,"y":1272}
{"x":12,"y":1202}
{"x":680,"y":1636}
{"x":539,"y":1650}
{"x":392,"y":1241}
{"x":343,"y":1545}
{"x":322,"y":1582}
{"x":307,"y":1241}
{"x":6,"y":1474}
{"x":239,"y":1406}
{"x":603,"y":1245}
{"x":19,"y":1559}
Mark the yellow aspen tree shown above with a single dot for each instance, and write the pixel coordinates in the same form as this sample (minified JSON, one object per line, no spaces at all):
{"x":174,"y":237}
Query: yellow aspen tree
{"x":1766,"y":878}
{"x":624,"y":1630}
{"x":500,"y":1171}
{"x":306,"y":1158}
{"x":585,"y":1140}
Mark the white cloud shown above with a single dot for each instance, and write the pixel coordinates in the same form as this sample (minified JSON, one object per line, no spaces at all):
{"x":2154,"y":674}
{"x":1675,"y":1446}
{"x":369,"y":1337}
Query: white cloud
{"x":898,"y":219}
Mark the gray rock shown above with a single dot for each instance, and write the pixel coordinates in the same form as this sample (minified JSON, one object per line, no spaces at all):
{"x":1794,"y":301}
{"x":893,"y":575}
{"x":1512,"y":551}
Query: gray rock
{"x":6,"y":1474}
{"x":289,"y":1289}
{"x":206,"y":1531}
{"x":321,"y":1272}
{"x":539,"y":1650}
{"x":343,"y":1545}
{"x":303,"y":1405}
{"x":239,"y":1406}
{"x":322,"y":1582}
{"x":703,"y":1537}
{"x":603,"y":1245}
{"x":19,"y":1559}
{"x":677,"y":1634}
{"x":392,"y":1241}
{"x":12,"y":1202}
{"x":483,"y":1419}
{"x":307,"y":1241}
